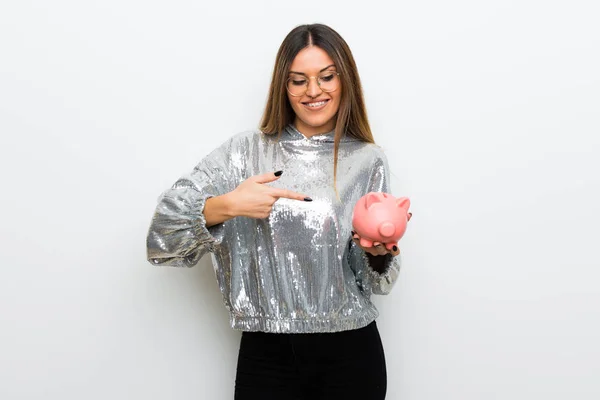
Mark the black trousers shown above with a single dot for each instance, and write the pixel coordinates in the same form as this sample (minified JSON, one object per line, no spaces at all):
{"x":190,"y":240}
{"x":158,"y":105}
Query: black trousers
{"x":292,"y":366}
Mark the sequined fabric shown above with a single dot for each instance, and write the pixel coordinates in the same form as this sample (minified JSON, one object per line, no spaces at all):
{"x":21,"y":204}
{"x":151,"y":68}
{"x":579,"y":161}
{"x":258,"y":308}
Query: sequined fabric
{"x":298,"y":270}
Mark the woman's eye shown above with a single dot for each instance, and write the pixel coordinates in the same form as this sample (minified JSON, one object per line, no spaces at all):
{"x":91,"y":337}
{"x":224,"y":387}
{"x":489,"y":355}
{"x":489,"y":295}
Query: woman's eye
{"x":327,"y":78}
{"x":298,"y":82}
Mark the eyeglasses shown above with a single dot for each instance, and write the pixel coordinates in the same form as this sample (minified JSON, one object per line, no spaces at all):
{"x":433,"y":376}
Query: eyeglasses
{"x":328,"y":81}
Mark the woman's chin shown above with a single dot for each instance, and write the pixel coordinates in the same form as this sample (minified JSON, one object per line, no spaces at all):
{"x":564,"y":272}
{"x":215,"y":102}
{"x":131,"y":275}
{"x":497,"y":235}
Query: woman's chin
{"x":317,"y":123}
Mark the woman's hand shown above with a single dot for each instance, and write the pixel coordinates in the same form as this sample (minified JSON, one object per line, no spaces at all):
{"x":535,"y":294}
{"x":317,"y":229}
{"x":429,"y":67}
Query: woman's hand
{"x":252,"y":198}
{"x":378,"y":248}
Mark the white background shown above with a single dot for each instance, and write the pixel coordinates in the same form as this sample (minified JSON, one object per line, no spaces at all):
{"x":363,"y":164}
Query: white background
{"x":488,"y":112}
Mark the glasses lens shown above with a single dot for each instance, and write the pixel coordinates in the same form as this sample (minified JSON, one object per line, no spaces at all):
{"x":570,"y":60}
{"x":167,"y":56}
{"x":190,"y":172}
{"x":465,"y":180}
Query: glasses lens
{"x":329,"y":81}
{"x":297,"y":85}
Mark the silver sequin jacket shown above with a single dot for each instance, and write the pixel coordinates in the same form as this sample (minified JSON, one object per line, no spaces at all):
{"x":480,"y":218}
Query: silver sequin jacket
{"x":297,"y":270}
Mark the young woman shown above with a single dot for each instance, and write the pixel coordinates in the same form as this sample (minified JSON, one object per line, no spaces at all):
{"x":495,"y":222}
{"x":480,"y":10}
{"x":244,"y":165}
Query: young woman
{"x":274,"y":209}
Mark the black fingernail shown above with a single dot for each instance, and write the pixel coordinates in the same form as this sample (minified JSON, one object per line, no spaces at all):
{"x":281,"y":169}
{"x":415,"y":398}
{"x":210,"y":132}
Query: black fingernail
{"x":278,"y":173}
{"x":395,"y":248}
{"x":307,"y":199}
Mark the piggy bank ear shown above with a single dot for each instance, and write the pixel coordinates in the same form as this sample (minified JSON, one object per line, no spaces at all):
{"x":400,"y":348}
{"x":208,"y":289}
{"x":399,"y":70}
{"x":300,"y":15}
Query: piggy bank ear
{"x":403,"y":202}
{"x":372,"y":198}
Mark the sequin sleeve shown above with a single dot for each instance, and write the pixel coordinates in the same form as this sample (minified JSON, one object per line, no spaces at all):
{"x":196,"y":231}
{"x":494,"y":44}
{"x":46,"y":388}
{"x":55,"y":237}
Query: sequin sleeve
{"x":178,"y":235}
{"x":375,"y":274}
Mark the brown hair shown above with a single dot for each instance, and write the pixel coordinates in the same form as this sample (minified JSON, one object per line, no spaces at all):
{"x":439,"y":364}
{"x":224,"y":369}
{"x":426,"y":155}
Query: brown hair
{"x":351,"y":116}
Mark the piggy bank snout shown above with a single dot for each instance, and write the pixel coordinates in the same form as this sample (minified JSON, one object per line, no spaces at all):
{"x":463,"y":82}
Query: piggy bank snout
{"x":387,"y":229}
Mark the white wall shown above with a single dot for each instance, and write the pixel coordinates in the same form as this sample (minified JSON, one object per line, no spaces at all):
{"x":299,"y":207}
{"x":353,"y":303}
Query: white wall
{"x":488,"y":111}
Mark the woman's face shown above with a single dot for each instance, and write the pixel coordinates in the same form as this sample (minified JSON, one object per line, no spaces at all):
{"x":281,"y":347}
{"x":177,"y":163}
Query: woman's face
{"x":316,"y":109}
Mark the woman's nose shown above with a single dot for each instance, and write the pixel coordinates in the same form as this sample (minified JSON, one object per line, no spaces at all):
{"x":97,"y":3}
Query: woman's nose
{"x":313,"y":89}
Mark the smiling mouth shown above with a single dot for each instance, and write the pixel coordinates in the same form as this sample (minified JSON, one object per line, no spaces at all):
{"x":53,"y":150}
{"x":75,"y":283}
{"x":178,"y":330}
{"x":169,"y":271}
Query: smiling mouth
{"x":316,"y":104}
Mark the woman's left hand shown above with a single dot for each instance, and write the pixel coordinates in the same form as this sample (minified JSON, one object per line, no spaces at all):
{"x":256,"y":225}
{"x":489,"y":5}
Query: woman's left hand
{"x":378,"y":248}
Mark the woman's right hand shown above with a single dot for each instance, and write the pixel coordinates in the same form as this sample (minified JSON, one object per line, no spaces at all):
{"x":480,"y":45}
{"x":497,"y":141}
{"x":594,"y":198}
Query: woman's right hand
{"x":252,"y":198}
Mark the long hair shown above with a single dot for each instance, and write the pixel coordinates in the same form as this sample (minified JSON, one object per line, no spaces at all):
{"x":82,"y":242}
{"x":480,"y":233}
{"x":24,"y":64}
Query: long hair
{"x":351,"y":116}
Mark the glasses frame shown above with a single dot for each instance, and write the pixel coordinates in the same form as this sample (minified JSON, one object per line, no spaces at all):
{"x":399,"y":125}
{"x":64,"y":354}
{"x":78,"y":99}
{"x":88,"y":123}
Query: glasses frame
{"x":308,"y":82}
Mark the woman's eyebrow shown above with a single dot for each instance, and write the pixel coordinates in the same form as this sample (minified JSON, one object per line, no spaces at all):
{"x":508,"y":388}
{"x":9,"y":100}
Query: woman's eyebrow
{"x":302,"y":73}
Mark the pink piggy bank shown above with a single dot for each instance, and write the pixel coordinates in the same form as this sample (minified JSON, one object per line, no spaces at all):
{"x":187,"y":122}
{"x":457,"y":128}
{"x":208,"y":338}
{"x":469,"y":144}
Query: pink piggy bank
{"x":380,"y":217}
